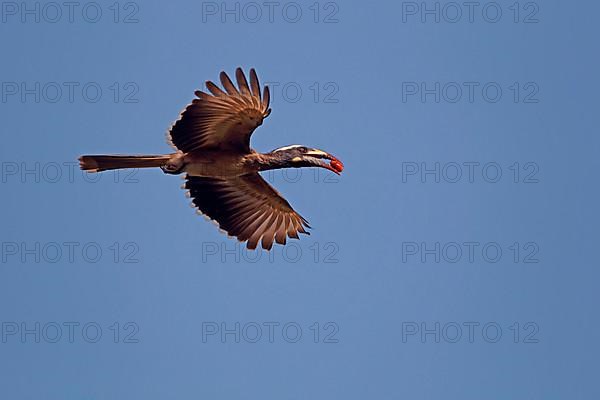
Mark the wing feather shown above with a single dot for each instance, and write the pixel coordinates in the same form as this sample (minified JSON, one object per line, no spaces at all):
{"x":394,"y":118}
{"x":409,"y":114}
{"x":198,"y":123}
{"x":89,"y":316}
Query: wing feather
{"x":222,"y":119}
{"x":266,"y":98}
{"x":215,"y":90}
{"x":227,"y":84}
{"x":281,"y":234}
{"x":242,"y":82}
{"x":255,"y":85}
{"x":246,"y":207}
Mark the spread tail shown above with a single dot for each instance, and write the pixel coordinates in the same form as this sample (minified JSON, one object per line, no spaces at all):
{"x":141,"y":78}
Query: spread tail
{"x":98,"y":163}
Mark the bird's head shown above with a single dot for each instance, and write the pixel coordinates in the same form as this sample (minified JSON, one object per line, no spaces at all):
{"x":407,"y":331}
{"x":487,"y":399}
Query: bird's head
{"x":296,"y":156}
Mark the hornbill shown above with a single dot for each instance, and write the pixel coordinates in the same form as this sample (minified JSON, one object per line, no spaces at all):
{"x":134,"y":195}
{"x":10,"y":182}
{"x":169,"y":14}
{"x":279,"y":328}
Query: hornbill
{"x":212,"y":143}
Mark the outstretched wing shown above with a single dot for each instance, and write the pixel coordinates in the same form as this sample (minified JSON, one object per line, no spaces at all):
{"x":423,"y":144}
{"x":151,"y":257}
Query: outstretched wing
{"x":246,"y":207}
{"x":223,"y":119}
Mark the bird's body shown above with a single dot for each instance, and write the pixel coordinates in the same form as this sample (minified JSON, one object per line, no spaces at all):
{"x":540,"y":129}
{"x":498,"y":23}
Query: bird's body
{"x":216,"y":164}
{"x":212,"y":143}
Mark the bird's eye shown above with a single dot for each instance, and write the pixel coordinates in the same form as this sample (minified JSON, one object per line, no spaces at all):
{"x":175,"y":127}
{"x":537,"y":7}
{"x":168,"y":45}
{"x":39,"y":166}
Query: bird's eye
{"x":303,"y":149}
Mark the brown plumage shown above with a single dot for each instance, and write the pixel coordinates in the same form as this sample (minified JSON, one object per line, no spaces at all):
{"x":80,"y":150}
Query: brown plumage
{"x":212,"y":143}
{"x":246,"y":207}
{"x":222,"y":120}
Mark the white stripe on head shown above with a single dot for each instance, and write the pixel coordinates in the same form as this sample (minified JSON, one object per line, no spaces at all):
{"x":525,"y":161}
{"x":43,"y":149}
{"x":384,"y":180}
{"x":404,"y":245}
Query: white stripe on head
{"x":292,"y":146}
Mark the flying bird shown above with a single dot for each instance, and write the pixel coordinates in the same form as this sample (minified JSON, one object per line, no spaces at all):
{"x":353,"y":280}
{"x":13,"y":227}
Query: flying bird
{"x":211,"y":139}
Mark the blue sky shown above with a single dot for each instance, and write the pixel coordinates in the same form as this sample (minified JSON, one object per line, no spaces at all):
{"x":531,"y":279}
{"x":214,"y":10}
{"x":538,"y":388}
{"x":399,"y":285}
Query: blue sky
{"x":455,"y":256}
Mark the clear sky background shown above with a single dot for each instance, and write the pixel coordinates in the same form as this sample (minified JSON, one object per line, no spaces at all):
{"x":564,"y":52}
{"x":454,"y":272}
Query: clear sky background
{"x":427,"y":274}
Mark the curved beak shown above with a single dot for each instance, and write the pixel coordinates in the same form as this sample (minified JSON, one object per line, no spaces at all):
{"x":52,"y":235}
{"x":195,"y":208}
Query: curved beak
{"x":318,"y":157}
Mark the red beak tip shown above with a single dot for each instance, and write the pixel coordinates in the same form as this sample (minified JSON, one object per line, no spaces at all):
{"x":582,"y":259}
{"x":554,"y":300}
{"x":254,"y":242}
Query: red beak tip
{"x":337,"y":166}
